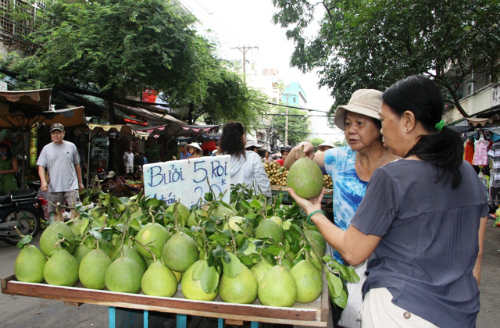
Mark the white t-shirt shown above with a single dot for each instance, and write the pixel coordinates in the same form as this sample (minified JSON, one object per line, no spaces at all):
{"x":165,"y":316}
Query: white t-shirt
{"x":129,"y":158}
{"x":250,"y":171}
{"x":60,"y":161}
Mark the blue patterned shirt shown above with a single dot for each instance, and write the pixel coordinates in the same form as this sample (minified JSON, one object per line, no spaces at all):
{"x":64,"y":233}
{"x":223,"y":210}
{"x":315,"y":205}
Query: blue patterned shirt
{"x":348,"y":189}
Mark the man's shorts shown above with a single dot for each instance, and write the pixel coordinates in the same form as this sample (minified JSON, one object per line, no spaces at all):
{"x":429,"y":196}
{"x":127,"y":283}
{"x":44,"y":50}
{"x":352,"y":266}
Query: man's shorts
{"x":72,"y":198}
{"x":129,"y":169}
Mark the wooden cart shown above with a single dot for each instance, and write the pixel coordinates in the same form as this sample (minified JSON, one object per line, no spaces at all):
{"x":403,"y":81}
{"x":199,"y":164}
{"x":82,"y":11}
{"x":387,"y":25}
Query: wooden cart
{"x":311,"y":314}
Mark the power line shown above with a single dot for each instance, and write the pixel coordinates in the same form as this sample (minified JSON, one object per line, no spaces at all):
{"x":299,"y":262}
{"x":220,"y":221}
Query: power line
{"x":299,"y":108}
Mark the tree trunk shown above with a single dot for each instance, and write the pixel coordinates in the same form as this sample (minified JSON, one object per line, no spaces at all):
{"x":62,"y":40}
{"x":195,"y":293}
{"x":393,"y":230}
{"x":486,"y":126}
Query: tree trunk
{"x":113,"y":145}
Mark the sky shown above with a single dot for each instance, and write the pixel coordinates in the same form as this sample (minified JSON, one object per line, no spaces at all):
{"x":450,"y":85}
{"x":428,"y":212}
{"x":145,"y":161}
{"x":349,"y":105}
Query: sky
{"x":238,"y":23}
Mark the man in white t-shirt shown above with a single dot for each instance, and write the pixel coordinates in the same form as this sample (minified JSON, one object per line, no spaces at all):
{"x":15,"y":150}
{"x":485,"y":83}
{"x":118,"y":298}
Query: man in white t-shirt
{"x":128,"y":161}
{"x":60,"y":158}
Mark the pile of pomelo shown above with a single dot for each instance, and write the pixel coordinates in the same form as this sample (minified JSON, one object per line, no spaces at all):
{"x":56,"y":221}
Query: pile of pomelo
{"x":241,"y":251}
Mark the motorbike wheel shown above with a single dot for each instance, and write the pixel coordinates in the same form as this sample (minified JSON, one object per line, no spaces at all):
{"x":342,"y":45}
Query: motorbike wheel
{"x":27,"y":221}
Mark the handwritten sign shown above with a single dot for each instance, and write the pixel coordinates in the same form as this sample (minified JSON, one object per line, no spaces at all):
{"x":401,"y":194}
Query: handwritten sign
{"x":187,"y":180}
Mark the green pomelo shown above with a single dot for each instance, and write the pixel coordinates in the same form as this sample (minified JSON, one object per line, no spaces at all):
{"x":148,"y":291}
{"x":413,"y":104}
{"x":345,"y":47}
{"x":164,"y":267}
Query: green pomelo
{"x":237,"y":223}
{"x":178,"y":275}
{"x":241,"y":289}
{"x":277,"y":219}
{"x":196,"y":216}
{"x":61,"y":269}
{"x":124,"y":275}
{"x":159,"y":281}
{"x":93,"y":269}
{"x":308,"y":280}
{"x":29,"y":264}
{"x":267,"y":228}
{"x":78,"y":226}
{"x":223,"y":211}
{"x":277,"y":288}
{"x":153,"y":236}
{"x":305,"y":178}
{"x":132,"y":253}
{"x":50,"y":237}
{"x":182,"y":213}
{"x":180,"y":252}
{"x":317,"y":241}
{"x":191,"y":289}
{"x":81,"y":251}
{"x":261,"y":268}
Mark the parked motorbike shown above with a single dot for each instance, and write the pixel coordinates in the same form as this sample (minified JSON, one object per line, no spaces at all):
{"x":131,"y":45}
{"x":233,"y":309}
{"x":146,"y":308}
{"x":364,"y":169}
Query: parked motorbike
{"x":21,"y":209}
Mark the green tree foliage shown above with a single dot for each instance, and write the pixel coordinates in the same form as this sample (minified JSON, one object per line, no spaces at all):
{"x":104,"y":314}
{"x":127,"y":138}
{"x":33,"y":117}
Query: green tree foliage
{"x":117,"y":48}
{"x":373,"y":43}
{"x":298,"y":126}
{"x":316,"y":142}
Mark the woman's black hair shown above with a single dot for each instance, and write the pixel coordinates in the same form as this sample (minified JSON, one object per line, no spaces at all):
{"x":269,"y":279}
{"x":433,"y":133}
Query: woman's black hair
{"x":443,"y":148}
{"x":231,"y":141}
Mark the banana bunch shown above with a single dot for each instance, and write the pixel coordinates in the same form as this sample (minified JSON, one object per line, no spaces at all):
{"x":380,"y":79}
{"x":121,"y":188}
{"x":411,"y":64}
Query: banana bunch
{"x":277,"y":174}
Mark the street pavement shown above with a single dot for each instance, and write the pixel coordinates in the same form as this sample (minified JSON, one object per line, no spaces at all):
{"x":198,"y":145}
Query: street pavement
{"x":27,"y":312}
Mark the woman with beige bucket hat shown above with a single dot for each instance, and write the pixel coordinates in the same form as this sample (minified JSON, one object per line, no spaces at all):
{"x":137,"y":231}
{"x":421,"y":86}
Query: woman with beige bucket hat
{"x":351,"y":167}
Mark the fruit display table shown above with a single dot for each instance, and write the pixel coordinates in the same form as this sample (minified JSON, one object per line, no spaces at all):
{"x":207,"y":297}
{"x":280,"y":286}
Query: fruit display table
{"x":311,"y":314}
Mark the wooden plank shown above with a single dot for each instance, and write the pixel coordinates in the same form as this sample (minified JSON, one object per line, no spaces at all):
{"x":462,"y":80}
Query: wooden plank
{"x":301,"y":314}
{"x":325,"y":300}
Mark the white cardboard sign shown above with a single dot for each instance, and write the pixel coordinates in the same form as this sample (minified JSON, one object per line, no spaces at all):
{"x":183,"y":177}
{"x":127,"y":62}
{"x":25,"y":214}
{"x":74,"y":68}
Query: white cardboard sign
{"x":187,"y":180}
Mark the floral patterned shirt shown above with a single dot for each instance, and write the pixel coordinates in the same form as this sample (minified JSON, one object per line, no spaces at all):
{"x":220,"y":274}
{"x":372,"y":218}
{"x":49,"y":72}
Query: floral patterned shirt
{"x":348,"y":189}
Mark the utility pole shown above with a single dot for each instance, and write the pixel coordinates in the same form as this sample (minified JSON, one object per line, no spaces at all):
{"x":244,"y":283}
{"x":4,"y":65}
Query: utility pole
{"x":244,"y":50}
{"x":287,"y":95}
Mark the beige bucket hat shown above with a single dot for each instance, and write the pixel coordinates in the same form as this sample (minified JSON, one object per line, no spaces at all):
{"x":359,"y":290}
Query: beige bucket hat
{"x":363,"y":101}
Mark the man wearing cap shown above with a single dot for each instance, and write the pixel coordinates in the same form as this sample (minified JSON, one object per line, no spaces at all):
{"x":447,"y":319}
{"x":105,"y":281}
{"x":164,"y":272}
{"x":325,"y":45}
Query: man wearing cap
{"x":60,"y":158}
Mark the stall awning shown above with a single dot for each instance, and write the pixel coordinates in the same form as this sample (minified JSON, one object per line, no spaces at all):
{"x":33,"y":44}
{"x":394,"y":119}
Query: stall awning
{"x":29,"y":100}
{"x":152,"y":117}
{"x":175,"y":130}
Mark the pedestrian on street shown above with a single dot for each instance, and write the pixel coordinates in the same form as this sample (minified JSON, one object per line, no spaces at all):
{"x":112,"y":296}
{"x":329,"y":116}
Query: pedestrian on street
{"x":8,"y":168}
{"x":246,"y":166}
{"x":183,"y":153}
{"x":195,"y":150}
{"x":60,"y":158}
{"x":128,"y":161}
{"x":419,"y":221}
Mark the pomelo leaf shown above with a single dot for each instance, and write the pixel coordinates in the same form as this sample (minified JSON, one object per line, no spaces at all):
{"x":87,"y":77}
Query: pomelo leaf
{"x":334,"y":286}
{"x":135,"y":224}
{"x":209,"y":280}
{"x":199,"y":269}
{"x":233,"y":267}
{"x":341,"y":301}
{"x":353,"y":276}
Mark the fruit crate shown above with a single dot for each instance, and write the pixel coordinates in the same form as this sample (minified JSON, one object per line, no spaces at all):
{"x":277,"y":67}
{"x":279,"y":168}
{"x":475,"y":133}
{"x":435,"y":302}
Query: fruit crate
{"x":310,"y":314}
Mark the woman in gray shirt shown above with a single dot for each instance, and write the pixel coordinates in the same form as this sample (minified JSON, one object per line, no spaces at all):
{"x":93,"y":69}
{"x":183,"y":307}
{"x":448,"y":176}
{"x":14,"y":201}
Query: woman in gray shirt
{"x":418,"y":222}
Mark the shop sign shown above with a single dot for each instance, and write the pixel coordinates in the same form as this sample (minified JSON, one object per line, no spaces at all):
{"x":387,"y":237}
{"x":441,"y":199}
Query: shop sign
{"x":188,"y":180}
